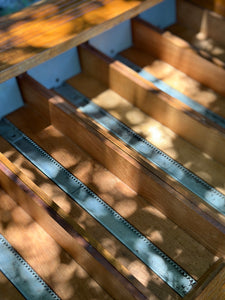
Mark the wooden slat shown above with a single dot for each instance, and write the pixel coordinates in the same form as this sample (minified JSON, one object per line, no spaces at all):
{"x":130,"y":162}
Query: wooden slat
{"x":212,"y":285}
{"x":179,"y":81}
{"x":204,"y":21}
{"x":216,"y":289}
{"x":30,"y":86}
{"x":165,"y":109}
{"x":51,"y":262}
{"x":123,"y":259}
{"x":157,"y":104}
{"x":8,"y":291}
{"x":205,"y":32}
{"x":134,"y":171}
{"x":116,"y":194}
{"x":216,"y":5}
{"x":188,"y":245}
{"x":35,"y":41}
{"x":179,"y":54}
{"x":67,"y":233}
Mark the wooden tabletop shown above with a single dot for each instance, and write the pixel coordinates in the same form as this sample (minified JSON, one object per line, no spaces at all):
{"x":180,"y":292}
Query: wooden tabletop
{"x":45,"y":30}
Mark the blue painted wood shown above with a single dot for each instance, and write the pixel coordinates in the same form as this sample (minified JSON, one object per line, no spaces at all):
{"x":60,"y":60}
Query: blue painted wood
{"x":161,"y":15}
{"x":114,"y":40}
{"x":119,"y":37}
{"x":10,"y":97}
{"x":58,"y":69}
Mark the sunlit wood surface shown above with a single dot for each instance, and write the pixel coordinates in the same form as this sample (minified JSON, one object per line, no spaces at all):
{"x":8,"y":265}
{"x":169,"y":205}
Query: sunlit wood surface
{"x":203,"y":29}
{"x":55,"y":266}
{"x":217,"y":5}
{"x":38,"y":33}
{"x":145,"y":217}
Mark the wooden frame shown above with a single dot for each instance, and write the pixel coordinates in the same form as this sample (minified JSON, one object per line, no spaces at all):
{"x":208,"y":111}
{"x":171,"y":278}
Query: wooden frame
{"x":112,"y":276}
{"x":132,"y":170}
{"x":179,"y":54}
{"x":203,"y":29}
{"x":214,"y":24}
{"x":217,"y":5}
{"x":49,"y":29}
{"x":155,"y":103}
{"x":211,"y":285}
{"x":129,"y":166}
{"x":54,"y":28}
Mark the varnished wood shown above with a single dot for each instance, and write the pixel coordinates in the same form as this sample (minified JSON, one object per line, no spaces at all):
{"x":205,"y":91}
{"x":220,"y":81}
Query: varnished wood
{"x":140,"y":94}
{"x":86,"y":175}
{"x":216,"y":288}
{"x":33,"y":41}
{"x":201,"y":21}
{"x":66,"y":232}
{"x":203,"y":29}
{"x":157,"y":104}
{"x":216,"y":5}
{"x":53,"y":264}
{"x":8,"y":291}
{"x":136,"y":172}
{"x":198,"y":231}
{"x":33,"y":92}
{"x":179,"y":54}
{"x":114,"y":192}
{"x":211,"y":285}
{"x":179,"y":81}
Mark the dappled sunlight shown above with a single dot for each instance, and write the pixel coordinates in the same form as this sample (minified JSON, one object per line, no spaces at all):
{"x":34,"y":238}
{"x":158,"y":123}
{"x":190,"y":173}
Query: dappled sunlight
{"x":155,"y":134}
{"x":161,"y":136}
{"x":45,"y":256}
{"x":108,"y":243}
{"x":126,"y":207}
{"x":184,"y":84}
{"x":102,"y":179}
{"x":125,"y":201}
{"x":64,"y":274}
{"x":37,"y":29}
{"x":207,"y":44}
{"x":137,"y":267}
{"x":190,"y":157}
{"x":176,"y":79}
{"x":205,"y":33}
{"x":140,"y":122}
{"x":135,"y":116}
{"x":111,"y":99}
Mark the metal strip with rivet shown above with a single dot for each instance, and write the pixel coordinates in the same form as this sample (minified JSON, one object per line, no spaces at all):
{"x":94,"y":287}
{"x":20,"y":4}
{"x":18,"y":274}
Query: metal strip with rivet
{"x":184,"y":176}
{"x":205,"y":112}
{"x":21,"y":275}
{"x":168,"y":270}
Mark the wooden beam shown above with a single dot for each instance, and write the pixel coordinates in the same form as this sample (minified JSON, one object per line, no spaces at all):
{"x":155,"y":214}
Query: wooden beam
{"x":51,"y":262}
{"x":202,"y":20}
{"x":28,"y":42}
{"x":140,"y":175}
{"x":155,"y":103}
{"x":69,"y":235}
{"x":34,"y":93}
{"x":211,"y":286}
{"x":179,"y":54}
{"x":8,"y":290}
{"x":215,"y":5}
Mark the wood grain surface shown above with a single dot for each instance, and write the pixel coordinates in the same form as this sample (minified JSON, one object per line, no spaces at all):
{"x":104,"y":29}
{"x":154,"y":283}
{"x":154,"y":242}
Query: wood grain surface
{"x":37,"y":34}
